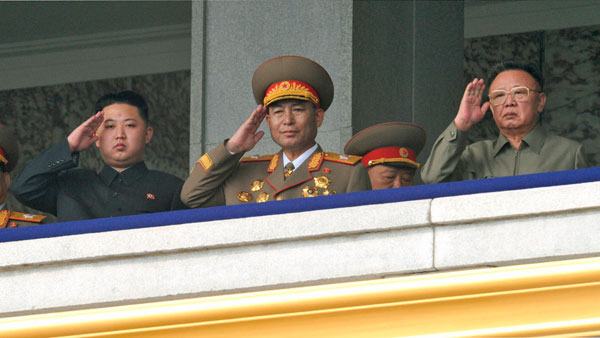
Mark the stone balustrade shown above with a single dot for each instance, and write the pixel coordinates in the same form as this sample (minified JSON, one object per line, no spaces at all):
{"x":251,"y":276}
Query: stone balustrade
{"x":358,"y":236}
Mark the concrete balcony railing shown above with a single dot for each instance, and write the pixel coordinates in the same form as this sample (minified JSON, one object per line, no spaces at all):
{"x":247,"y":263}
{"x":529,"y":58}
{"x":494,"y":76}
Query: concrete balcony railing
{"x":358,"y":236}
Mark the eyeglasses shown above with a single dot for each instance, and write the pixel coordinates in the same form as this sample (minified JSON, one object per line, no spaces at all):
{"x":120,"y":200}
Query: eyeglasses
{"x":519,"y":94}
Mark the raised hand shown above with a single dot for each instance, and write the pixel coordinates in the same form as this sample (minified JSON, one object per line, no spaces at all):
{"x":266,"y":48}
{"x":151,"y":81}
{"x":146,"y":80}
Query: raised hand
{"x":471,"y":111}
{"x":246,"y":137}
{"x":85,"y":135}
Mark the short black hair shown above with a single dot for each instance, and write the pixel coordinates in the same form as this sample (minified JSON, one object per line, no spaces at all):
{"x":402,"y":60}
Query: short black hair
{"x":127,"y":97}
{"x":529,"y":68}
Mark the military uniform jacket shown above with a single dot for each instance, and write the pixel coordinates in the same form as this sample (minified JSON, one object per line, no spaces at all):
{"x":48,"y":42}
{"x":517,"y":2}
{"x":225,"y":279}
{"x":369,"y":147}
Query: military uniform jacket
{"x":219,"y":178}
{"x":10,"y":218}
{"x":451,"y":159}
{"x":52,"y":183}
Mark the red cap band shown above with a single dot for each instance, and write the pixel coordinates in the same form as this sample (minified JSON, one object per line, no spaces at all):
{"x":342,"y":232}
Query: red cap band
{"x":291,"y":90}
{"x":390,"y":155}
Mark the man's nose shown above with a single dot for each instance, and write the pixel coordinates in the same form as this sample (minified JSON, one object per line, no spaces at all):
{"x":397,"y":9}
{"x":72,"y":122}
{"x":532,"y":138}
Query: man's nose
{"x":120,"y":132}
{"x":288,"y":116}
{"x":397,"y":182}
{"x":510,"y":100}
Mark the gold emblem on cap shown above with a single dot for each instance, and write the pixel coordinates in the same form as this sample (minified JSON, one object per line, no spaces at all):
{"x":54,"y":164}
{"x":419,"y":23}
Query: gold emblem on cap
{"x":244,"y":196}
{"x":257,"y":185}
{"x":322,"y":182}
{"x":329,"y":192}
{"x":309,"y":191}
{"x":403,"y":152}
{"x":285,"y":89}
{"x":262,"y":197}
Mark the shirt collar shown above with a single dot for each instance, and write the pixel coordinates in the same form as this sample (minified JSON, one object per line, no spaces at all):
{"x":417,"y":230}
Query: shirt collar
{"x":500,"y":143}
{"x":129,"y":175}
{"x":534,"y":140}
{"x":298,"y":162}
{"x":2,"y":206}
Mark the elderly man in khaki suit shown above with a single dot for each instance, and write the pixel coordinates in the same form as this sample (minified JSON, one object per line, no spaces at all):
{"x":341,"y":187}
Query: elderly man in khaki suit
{"x":293,"y":94}
{"x":516,"y":99}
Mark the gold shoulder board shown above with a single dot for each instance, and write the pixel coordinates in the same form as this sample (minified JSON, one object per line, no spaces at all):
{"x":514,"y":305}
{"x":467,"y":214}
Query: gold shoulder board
{"x":346,"y":159}
{"x":257,"y":158}
{"x":20,"y":216}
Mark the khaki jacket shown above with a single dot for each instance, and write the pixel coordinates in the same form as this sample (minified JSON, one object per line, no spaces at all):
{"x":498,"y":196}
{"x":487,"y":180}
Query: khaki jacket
{"x":219,"y":178}
{"x":451,"y":159}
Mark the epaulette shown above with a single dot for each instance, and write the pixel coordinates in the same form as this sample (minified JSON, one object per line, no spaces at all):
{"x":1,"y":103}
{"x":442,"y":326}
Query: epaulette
{"x":20,"y":216}
{"x":257,"y":158}
{"x":346,"y":159}
{"x":6,"y":216}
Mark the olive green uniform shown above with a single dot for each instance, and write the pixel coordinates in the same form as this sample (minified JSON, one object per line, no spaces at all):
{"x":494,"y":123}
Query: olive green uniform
{"x":219,"y":178}
{"x":451,"y":159}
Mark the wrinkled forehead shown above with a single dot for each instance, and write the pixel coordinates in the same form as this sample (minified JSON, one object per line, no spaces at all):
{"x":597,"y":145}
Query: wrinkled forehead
{"x":387,"y":169}
{"x":511,"y":78}
{"x":290,"y":102}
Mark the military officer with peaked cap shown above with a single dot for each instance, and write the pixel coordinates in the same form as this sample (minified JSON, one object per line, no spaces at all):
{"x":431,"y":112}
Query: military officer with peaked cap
{"x":293,"y":94}
{"x":389,"y":151}
{"x":9,"y":156}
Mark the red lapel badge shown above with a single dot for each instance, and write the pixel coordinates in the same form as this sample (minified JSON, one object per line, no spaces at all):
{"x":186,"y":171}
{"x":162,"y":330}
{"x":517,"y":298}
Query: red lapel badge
{"x":149,"y":196}
{"x":326,"y":170}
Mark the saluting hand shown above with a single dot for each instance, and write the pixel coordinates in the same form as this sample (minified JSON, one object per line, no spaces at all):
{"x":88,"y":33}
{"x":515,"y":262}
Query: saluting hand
{"x":246,"y":137}
{"x":470,"y":112}
{"x":85,"y":135}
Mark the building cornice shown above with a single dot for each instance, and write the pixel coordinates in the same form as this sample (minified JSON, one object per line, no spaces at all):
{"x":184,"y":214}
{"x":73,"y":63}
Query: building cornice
{"x":95,"y":56}
{"x":544,"y":299}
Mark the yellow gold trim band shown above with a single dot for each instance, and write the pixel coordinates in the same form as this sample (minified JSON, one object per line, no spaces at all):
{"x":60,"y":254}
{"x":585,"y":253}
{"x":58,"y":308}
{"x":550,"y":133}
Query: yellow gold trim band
{"x":393,"y":160}
{"x":544,"y":299}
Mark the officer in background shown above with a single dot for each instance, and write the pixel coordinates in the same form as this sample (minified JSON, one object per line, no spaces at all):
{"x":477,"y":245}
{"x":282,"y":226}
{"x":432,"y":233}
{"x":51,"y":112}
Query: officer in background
{"x":293,"y":94}
{"x":389,"y":151}
{"x":9,"y":157}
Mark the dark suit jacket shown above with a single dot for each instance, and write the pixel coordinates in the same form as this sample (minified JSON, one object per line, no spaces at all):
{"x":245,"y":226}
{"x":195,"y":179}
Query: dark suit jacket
{"x":219,"y":178}
{"x":52,"y":183}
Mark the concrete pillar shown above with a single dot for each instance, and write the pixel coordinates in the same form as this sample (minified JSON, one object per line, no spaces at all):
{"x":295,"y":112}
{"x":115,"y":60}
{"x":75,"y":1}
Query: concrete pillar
{"x":407,"y":64}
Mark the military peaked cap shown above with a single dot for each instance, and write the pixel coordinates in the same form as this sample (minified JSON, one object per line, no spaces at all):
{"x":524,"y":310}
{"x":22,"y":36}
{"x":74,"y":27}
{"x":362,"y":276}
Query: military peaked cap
{"x":9,"y":148}
{"x":392,"y":143}
{"x":292,"y":77}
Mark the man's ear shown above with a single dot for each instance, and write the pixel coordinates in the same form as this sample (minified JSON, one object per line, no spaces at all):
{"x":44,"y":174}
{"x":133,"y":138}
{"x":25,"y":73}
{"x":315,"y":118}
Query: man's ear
{"x":541,"y":102}
{"x":98,"y":132}
{"x":319,"y":115}
{"x":149,"y":133}
{"x":7,"y":179}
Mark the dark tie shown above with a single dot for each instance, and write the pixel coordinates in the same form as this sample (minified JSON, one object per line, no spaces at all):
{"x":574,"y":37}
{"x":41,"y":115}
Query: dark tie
{"x":289,"y":169}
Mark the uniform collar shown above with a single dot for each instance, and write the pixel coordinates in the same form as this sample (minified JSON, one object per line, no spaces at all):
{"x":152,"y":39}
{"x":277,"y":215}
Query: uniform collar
{"x":300,"y":175}
{"x":534,"y":139}
{"x":500,"y":143}
{"x":129,"y":175}
{"x":301,"y":159}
